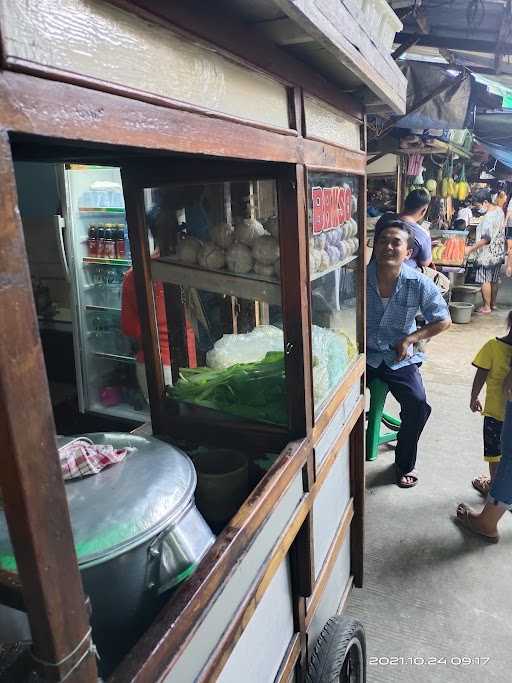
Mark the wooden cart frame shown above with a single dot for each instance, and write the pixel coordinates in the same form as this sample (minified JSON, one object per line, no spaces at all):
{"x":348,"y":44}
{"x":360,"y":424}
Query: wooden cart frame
{"x":54,"y":115}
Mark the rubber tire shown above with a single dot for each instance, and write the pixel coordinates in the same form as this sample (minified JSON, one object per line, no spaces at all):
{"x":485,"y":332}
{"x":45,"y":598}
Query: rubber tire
{"x":338,"y":636}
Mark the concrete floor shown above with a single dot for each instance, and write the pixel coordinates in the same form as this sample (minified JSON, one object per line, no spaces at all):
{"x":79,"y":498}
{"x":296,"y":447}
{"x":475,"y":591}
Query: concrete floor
{"x":430,"y":590}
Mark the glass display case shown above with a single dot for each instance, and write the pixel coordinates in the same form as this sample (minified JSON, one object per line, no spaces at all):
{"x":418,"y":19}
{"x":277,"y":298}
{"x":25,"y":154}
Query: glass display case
{"x":215,"y":261}
{"x":334,"y":262}
{"x":99,"y":259}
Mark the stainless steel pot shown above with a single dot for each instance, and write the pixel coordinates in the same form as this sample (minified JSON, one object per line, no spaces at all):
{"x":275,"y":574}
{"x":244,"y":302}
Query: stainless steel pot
{"x":137,"y":535}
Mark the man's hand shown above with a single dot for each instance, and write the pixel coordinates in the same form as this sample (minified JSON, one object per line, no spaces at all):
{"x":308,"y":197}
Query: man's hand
{"x":402,"y":349}
{"x":475,"y":405}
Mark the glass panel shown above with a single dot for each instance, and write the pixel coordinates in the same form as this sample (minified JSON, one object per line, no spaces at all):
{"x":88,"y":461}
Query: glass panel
{"x":334,"y":263}
{"x":101,"y":259}
{"x":216,"y":248}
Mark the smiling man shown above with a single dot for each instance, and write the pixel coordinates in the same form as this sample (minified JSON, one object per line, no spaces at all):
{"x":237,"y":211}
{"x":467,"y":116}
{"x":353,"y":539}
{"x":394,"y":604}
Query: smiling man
{"x":395,"y":294}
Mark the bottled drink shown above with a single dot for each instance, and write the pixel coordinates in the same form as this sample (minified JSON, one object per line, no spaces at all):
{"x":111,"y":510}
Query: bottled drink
{"x":120,"y":244}
{"x":110,"y":245}
{"x":92,"y":244}
{"x":100,"y":241}
{"x":127,"y":248}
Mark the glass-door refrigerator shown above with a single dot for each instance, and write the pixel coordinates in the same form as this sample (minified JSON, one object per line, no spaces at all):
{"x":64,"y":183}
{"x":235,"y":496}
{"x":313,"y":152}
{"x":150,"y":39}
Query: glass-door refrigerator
{"x":99,"y":256}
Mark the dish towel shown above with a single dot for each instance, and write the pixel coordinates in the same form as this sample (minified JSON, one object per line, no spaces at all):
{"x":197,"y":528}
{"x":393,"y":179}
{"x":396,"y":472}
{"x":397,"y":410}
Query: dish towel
{"x":82,"y":457}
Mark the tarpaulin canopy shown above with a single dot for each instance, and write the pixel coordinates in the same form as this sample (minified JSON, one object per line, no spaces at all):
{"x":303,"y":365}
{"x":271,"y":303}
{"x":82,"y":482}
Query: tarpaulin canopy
{"x":494,"y":128}
{"x":450,"y":108}
{"x":499,"y":152}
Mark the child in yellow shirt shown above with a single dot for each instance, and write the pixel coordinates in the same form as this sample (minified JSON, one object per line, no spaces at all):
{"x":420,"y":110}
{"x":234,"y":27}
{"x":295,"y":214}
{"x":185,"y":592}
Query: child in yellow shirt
{"x":493,"y":363}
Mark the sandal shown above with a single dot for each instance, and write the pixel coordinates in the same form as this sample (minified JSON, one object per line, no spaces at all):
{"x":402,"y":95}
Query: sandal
{"x":406,"y":484}
{"x":481,"y":311}
{"x":464,"y":520}
{"x":482,"y":484}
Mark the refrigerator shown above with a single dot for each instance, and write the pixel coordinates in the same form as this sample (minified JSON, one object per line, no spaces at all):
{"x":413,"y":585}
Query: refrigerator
{"x":96,"y":250}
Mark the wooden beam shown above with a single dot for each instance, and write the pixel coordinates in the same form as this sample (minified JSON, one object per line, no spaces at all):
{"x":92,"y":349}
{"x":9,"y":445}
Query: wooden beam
{"x":210,"y":23}
{"x":453,"y":43}
{"x":137,"y":233}
{"x":291,"y":196}
{"x":357,"y":490}
{"x":30,"y":477}
{"x":30,"y":105}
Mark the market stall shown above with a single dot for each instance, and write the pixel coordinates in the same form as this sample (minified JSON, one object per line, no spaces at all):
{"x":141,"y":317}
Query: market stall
{"x":264,"y":318}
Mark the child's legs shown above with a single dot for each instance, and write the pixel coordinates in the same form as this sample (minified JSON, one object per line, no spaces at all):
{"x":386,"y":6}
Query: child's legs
{"x":492,"y":443}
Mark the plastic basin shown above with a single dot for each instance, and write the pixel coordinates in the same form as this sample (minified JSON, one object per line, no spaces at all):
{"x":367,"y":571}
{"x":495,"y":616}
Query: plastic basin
{"x":461,"y":311}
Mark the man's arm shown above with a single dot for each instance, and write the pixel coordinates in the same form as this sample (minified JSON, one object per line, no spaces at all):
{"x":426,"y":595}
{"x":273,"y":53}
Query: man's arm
{"x":435,"y":311}
{"x":427,"y":332}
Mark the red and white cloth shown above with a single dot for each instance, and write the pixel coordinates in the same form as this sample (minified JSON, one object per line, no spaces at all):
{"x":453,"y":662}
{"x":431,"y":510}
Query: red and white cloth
{"x":82,"y":457}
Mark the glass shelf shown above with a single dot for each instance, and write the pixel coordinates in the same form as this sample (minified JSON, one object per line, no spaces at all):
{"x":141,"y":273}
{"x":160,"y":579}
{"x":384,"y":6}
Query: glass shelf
{"x":114,"y":356}
{"x":336,"y":266}
{"x":98,"y":261}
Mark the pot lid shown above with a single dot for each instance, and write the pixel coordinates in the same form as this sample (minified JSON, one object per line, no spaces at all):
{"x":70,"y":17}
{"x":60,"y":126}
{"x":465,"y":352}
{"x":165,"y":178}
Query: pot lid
{"x":125,"y":504}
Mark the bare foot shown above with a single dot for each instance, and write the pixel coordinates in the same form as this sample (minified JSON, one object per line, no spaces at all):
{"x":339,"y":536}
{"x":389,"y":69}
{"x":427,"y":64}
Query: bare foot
{"x":485,"y":310}
{"x":471,"y":521}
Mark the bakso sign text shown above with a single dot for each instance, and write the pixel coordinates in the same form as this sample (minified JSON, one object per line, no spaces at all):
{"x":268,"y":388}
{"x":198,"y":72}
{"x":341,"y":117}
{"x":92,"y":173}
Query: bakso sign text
{"x":332,"y":206}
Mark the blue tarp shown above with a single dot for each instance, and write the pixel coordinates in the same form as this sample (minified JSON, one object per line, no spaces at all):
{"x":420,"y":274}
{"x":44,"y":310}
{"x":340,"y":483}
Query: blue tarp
{"x":503,"y":154}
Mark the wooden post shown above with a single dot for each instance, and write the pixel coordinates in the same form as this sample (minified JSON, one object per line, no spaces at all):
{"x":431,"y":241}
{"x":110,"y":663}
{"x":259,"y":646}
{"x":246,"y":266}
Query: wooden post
{"x":134,"y":200}
{"x":30,"y":476}
{"x":295,"y":299}
{"x":357,"y":489}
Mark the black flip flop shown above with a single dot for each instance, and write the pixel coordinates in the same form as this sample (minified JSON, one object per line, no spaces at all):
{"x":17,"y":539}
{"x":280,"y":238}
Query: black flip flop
{"x":413,"y":474}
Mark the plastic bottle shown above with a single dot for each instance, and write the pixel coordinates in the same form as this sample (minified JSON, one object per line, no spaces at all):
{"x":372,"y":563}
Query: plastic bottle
{"x":120,"y":243}
{"x":100,"y":239}
{"x":127,"y":248}
{"x":110,"y":245}
{"x":92,"y":243}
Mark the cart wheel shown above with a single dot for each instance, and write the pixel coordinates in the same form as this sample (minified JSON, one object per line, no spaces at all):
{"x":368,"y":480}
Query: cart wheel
{"x":340,"y":653}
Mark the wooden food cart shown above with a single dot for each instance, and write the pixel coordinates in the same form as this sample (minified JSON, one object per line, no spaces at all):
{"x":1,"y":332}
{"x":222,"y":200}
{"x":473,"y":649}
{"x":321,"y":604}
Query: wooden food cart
{"x":246,"y":102}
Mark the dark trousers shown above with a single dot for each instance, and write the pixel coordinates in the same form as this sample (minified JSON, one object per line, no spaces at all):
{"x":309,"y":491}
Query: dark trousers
{"x":406,"y":386}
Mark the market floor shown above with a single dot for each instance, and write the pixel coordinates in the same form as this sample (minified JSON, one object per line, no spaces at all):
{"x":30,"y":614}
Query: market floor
{"x":432,"y":595}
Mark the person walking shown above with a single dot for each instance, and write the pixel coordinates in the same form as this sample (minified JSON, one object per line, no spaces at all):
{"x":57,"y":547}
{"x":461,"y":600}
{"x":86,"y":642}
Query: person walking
{"x":490,"y":249}
{"x":492,"y":364}
{"x":485,"y":522}
{"x":395,"y":292}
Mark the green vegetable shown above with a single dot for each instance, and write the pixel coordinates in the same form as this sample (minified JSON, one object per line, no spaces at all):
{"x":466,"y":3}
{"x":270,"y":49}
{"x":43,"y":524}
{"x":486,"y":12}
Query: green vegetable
{"x":255,"y":391}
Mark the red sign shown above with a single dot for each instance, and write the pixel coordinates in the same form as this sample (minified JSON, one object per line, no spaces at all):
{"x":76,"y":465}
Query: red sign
{"x":332,"y":206}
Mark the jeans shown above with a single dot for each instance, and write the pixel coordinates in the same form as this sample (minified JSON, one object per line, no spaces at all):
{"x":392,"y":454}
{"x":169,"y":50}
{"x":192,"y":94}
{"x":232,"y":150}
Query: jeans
{"x":406,"y":385}
{"x":501,"y":489}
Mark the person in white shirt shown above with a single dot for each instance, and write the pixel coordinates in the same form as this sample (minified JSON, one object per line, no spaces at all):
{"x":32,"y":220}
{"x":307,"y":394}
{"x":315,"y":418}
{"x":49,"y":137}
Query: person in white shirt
{"x":465,"y":213}
{"x":490,"y":248}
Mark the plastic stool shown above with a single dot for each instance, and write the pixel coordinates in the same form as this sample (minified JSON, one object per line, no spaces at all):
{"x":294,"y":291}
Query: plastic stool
{"x":376,"y":415}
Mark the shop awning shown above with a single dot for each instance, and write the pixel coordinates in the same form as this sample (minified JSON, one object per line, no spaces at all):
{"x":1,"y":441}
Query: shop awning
{"x":499,"y":152}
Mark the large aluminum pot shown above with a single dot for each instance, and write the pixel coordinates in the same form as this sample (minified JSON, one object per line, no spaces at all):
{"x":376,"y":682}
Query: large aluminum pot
{"x":137,"y":535}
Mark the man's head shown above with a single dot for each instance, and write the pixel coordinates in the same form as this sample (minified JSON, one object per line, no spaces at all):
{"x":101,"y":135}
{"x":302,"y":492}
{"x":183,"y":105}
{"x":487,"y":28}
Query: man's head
{"x":459,"y":224}
{"x":416,"y":203}
{"x":394,"y":245}
{"x":482,"y":200}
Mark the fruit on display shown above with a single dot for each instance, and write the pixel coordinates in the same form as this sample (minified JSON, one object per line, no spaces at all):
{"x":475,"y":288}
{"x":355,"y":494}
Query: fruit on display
{"x":451,"y":251}
{"x":431,"y":186}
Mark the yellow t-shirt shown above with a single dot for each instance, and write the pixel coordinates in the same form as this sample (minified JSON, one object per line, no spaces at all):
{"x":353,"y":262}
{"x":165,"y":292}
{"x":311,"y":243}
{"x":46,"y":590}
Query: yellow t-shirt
{"x":495,"y":356}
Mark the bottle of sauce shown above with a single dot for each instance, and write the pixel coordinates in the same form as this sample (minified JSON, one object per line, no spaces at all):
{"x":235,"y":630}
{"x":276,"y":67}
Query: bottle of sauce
{"x":100,"y":241}
{"x":92,"y":242}
{"x":120,"y":243}
{"x":110,"y":245}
